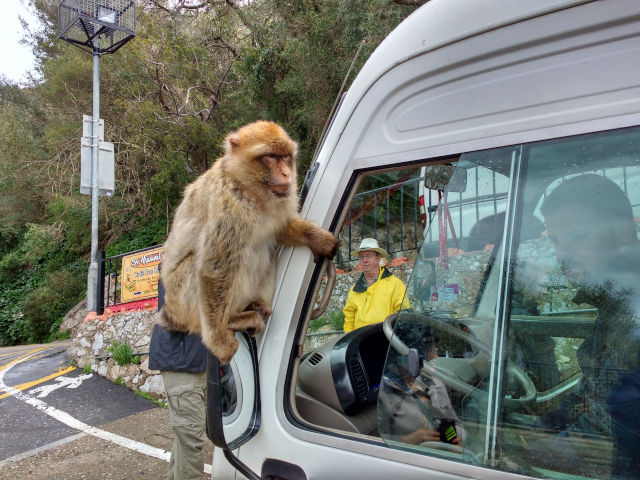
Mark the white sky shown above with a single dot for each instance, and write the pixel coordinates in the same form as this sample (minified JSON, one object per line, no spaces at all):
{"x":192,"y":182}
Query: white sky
{"x":15,"y":59}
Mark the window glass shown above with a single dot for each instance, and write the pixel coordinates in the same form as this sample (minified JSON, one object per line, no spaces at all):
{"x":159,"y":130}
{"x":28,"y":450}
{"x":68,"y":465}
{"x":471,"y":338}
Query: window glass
{"x":441,"y":409}
{"x":574,"y":309}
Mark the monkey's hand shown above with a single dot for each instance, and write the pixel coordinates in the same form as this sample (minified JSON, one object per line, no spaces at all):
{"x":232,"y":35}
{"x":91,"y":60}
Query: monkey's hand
{"x":325,"y":246}
{"x":303,"y":232}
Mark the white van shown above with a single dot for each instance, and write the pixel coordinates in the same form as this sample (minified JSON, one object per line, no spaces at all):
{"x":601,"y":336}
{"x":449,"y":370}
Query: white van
{"x":518,"y":123}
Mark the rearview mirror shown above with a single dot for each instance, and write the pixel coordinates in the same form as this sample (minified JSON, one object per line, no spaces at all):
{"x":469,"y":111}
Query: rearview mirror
{"x":445,"y":177}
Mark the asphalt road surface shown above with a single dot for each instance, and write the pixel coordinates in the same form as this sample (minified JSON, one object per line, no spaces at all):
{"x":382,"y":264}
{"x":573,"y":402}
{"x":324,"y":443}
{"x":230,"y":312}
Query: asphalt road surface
{"x":58,"y":422}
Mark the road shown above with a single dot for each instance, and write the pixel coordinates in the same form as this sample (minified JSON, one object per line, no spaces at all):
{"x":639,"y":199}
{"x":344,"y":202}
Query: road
{"x":57,"y":421}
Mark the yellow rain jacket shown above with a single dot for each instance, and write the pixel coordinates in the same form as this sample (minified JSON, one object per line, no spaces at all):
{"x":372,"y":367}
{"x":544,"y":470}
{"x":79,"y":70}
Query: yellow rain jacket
{"x":372,"y":304}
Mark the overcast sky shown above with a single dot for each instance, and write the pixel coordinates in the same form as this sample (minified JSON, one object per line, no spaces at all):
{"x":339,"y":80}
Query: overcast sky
{"x":15,"y":59}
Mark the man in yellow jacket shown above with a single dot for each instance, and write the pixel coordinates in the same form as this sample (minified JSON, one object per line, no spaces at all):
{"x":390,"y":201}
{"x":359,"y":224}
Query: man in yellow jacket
{"x":377,"y":293}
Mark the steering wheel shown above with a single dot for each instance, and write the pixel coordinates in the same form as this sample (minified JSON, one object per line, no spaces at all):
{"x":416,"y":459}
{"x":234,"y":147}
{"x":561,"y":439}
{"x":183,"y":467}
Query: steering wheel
{"x":448,"y":377}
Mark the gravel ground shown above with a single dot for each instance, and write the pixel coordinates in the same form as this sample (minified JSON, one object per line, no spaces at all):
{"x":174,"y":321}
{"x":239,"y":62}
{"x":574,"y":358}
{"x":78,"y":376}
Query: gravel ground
{"x":86,"y":457}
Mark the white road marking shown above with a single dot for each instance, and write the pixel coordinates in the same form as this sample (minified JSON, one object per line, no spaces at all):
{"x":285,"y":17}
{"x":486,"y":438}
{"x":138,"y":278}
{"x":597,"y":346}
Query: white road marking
{"x":68,"y":382}
{"x":72,"y":422}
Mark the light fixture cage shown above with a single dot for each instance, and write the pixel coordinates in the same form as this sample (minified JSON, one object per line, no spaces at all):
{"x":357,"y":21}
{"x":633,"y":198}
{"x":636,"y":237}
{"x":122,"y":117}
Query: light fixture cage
{"x":81,"y":21}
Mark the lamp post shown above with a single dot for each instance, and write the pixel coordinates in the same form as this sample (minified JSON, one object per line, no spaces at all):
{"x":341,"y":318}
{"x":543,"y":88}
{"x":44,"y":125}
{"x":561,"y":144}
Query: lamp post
{"x":99,"y":27}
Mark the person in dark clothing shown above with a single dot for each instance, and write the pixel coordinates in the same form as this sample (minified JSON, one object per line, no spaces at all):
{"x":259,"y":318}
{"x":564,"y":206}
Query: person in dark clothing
{"x":591,"y":224}
{"x":182,"y":361}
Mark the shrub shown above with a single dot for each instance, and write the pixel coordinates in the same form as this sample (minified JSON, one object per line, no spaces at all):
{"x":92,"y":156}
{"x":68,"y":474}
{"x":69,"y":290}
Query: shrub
{"x":336,"y":320}
{"x":11,"y":265}
{"x":122,"y":353}
{"x":49,"y":303}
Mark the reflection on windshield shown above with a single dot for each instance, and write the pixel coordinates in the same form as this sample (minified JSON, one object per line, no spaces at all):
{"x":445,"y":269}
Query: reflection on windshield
{"x":523,"y":337}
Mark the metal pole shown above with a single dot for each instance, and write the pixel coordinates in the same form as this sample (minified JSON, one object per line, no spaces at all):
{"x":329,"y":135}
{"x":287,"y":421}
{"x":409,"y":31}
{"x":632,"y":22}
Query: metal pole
{"x":92,"y":278}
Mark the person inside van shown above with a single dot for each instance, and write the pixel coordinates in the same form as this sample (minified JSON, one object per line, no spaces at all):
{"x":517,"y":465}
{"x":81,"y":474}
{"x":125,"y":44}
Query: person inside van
{"x":416,"y":410}
{"x":590,"y":222}
{"x":525,"y":349}
{"x":377,"y":293}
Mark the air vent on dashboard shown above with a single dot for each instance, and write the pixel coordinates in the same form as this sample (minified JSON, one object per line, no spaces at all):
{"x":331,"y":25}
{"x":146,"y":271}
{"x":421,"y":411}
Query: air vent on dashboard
{"x":358,"y":379}
{"x":316,"y":358}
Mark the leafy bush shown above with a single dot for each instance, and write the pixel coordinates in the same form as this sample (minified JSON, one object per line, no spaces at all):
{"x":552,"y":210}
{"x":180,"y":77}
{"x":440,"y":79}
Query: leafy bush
{"x":11,"y":265}
{"x":40,"y":241}
{"x":50,"y":302}
{"x":122,"y":353}
{"x":335,"y":320}
{"x":74,"y":215}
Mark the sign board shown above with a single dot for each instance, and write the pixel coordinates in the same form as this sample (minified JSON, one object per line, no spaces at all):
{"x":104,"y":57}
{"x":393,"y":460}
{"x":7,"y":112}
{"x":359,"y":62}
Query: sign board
{"x":106,"y":167}
{"x":87,"y":127}
{"x":140,"y":275}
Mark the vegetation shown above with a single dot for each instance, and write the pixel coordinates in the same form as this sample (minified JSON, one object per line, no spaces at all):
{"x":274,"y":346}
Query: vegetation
{"x":122,"y":353}
{"x":335,"y":321}
{"x":195,"y":71}
{"x":151,"y":398}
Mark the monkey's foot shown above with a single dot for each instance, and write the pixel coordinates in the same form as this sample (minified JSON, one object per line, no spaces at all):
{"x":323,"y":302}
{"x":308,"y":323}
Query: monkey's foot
{"x":261,"y":307}
{"x":251,"y":321}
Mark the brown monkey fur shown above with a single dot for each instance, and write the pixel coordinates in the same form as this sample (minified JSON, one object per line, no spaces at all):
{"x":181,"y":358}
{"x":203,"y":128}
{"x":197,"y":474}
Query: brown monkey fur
{"x":218,"y":269}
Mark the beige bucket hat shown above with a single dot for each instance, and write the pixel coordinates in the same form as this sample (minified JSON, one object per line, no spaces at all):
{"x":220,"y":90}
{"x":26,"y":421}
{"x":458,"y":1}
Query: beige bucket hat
{"x":370,"y":244}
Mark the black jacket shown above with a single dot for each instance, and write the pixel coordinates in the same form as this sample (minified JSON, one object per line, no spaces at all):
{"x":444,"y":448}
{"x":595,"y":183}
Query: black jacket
{"x":175,"y":351}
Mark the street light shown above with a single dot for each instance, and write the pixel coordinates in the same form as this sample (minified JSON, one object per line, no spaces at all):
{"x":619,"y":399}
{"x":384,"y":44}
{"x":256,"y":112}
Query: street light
{"x":99,"y":27}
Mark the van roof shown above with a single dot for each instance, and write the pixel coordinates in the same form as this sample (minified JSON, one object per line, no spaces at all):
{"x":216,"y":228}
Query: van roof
{"x":441,"y":22}
{"x":434,"y":25}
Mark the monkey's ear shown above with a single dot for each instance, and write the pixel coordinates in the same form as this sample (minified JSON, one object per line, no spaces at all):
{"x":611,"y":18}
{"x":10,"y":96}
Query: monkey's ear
{"x":232,"y":144}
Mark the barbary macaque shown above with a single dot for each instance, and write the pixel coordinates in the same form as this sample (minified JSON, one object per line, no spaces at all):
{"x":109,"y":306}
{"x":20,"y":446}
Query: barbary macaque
{"x":218,"y":269}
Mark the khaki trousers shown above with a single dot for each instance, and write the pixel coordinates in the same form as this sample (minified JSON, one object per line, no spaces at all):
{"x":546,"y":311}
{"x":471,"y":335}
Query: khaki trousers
{"x":187,"y":409}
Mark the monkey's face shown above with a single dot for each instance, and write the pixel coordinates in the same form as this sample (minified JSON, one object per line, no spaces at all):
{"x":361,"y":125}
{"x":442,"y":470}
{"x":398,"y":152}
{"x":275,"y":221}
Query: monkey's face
{"x":278,"y":173}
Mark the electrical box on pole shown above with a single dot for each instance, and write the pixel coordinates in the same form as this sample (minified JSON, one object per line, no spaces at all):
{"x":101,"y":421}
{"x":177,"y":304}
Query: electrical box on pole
{"x":106,"y":168}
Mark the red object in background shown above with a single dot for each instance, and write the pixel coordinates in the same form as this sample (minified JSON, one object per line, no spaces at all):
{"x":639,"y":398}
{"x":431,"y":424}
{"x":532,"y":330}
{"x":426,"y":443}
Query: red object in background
{"x":399,"y":261}
{"x":146,"y":304}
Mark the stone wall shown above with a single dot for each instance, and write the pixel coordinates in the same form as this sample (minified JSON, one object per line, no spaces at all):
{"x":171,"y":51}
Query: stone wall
{"x":91,"y":336}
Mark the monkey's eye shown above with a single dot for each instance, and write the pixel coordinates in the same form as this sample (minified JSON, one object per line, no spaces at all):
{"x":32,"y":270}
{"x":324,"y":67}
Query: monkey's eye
{"x":269,"y":160}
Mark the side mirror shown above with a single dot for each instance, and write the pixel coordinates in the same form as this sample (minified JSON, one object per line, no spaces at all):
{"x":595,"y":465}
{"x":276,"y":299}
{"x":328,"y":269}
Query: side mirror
{"x":233,"y":401}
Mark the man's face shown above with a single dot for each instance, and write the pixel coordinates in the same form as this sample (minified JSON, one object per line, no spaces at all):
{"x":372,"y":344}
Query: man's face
{"x":583,"y":244}
{"x":369,"y":262}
